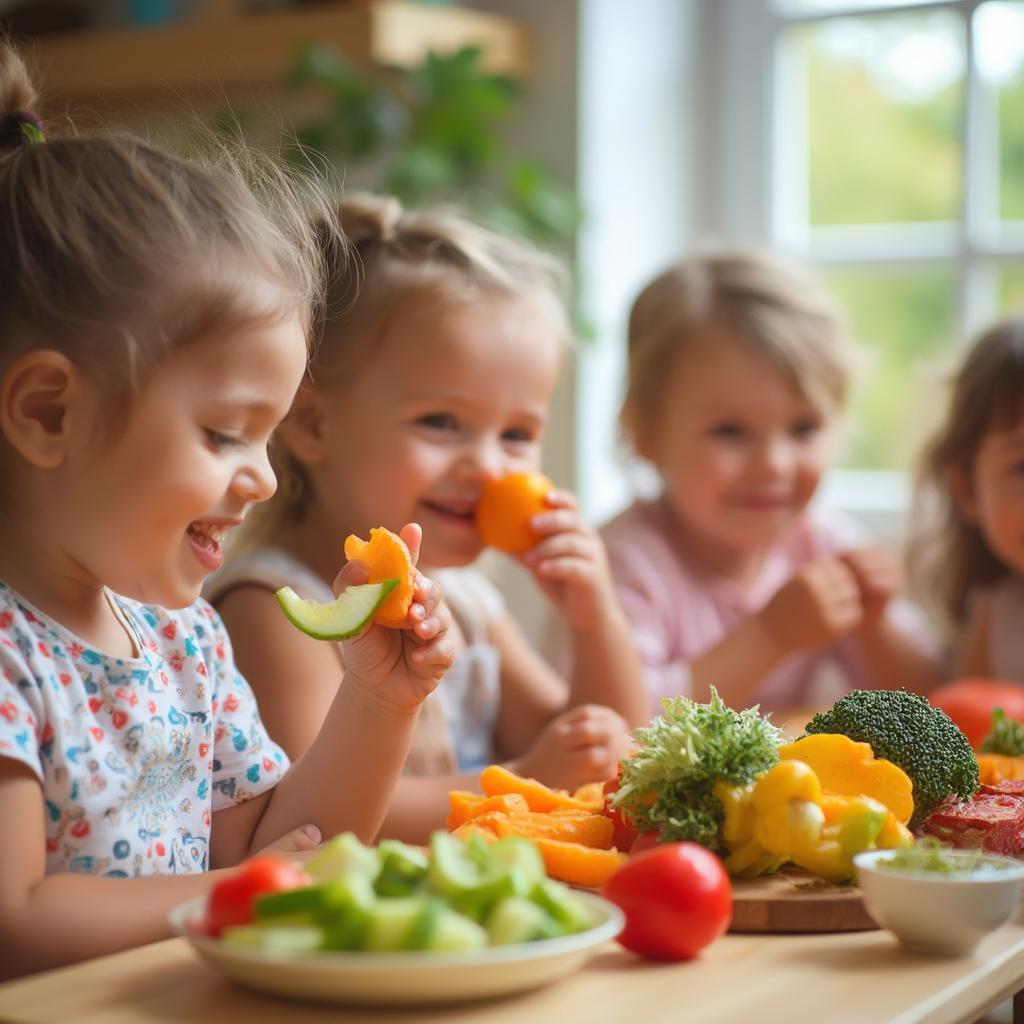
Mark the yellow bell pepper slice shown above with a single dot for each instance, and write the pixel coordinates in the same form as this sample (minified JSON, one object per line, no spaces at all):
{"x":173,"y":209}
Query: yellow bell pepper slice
{"x":851,"y":769}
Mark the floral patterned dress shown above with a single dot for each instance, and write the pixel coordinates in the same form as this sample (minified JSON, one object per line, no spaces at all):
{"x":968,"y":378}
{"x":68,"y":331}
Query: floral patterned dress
{"x":133,"y":755}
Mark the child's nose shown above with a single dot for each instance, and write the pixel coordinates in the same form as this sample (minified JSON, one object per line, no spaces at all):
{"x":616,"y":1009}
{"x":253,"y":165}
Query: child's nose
{"x":485,"y":459}
{"x":256,"y":481}
{"x":776,"y":454}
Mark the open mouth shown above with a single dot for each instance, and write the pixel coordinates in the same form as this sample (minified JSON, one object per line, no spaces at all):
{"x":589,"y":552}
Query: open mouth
{"x":206,"y":541}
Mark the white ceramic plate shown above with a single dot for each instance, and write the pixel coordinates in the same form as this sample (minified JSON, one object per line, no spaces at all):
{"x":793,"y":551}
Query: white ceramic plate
{"x":403,"y":978}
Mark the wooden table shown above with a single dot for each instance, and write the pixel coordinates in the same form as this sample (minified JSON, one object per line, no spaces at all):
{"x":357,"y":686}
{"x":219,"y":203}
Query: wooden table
{"x":857,"y":977}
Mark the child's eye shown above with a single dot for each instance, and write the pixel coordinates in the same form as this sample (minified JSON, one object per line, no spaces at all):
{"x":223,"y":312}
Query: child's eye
{"x":805,"y":429}
{"x":518,"y":435}
{"x":438,"y":421}
{"x":219,"y":440}
{"x":727,"y":430}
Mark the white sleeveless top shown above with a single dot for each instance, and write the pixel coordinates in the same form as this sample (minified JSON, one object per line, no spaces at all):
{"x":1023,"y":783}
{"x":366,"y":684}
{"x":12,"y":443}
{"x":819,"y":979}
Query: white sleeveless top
{"x":455,"y":729}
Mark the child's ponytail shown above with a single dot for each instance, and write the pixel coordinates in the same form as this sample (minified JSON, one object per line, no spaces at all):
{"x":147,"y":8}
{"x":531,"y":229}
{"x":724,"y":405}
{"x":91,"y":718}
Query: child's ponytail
{"x":20,"y":126}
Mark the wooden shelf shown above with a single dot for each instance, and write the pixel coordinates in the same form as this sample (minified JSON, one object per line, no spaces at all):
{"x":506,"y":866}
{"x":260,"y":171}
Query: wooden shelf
{"x":251,"y":51}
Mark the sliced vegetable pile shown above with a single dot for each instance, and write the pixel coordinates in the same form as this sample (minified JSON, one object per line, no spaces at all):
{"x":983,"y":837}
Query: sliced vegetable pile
{"x":572,"y":832}
{"x":458,"y":896}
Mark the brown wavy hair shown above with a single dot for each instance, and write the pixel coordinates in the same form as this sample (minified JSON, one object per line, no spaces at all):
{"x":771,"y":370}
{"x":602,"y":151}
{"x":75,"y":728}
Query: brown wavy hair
{"x":947,"y":555}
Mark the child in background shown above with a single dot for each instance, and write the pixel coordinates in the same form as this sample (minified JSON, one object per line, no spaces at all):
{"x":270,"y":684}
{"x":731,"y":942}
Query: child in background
{"x":970,"y":558}
{"x":434,"y":376}
{"x":738,"y":370}
{"x":152,"y":335}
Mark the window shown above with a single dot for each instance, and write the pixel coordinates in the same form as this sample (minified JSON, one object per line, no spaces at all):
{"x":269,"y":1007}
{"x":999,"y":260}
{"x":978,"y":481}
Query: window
{"x":897,"y":149}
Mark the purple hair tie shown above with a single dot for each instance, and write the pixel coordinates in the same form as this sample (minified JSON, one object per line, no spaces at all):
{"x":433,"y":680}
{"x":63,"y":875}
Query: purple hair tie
{"x":21,"y":128}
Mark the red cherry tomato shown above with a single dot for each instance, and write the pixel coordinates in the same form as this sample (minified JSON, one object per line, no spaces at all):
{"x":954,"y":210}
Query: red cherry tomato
{"x":970,"y":702}
{"x":676,"y":897}
{"x":625,"y":833}
{"x":230,"y":901}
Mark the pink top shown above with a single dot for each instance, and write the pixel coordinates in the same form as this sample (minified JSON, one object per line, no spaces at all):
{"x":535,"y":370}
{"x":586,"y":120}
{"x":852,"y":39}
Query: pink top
{"x":679,"y":610}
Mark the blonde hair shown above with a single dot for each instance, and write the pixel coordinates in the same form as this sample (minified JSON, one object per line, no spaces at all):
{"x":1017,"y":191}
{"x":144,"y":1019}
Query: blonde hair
{"x":948,"y":556}
{"x":113,"y":251}
{"x":777,"y":308}
{"x":394,"y":259}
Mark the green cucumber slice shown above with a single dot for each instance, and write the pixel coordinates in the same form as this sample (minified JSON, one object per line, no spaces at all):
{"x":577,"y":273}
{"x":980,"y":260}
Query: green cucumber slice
{"x":289,"y":939}
{"x":518,"y":920}
{"x":343,"y":855}
{"x":339,"y":619}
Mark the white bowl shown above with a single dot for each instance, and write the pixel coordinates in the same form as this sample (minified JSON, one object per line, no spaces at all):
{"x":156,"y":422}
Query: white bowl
{"x":941,"y":914}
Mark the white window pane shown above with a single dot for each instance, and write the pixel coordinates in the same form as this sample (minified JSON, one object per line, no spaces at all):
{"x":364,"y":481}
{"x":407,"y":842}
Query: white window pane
{"x":903,"y":317}
{"x":873,"y":104}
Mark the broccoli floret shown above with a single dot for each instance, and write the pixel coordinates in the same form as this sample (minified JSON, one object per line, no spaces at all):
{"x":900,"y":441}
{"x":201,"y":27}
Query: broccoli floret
{"x":904,"y":728}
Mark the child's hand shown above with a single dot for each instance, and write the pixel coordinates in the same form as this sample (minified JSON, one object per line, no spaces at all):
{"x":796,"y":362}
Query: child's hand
{"x":584,"y":744}
{"x":820,"y":603}
{"x":401,"y":667}
{"x":878,"y":576}
{"x":570,"y":565}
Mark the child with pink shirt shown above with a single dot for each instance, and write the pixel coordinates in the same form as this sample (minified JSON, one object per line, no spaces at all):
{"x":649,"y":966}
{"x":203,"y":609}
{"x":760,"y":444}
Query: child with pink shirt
{"x":738,"y":373}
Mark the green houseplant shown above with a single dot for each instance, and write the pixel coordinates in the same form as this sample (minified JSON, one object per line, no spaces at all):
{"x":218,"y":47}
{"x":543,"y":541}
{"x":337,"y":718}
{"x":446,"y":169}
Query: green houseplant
{"x":430,"y":134}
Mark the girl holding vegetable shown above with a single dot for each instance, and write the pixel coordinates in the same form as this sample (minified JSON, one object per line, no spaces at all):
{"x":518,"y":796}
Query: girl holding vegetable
{"x":970,"y":557}
{"x":738,"y":373}
{"x":152,"y":335}
{"x":433,"y":378}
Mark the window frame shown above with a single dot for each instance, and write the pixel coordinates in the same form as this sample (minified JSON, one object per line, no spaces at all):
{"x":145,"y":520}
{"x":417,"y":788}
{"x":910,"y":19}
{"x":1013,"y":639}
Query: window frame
{"x":749,"y":87}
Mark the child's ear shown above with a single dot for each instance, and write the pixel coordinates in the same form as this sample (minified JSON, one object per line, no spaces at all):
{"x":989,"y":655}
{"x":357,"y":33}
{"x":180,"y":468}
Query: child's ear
{"x":36,"y":395}
{"x":303,"y":430}
{"x":961,"y":488}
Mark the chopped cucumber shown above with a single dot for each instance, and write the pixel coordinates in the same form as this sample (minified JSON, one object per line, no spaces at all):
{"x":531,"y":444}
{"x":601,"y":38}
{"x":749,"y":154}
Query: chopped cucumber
{"x":392,"y":922}
{"x":402,"y":869}
{"x":564,"y":906}
{"x":305,"y":902}
{"x":342,"y":855}
{"x":518,"y":920}
{"x":339,"y":619}
{"x":454,"y":931}
{"x":275,"y":938}
{"x":463,"y":896}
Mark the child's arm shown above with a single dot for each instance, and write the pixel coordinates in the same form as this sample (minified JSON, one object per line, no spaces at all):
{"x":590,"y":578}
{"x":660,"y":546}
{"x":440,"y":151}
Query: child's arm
{"x":571,"y":566}
{"x":819,"y":604}
{"x":293,"y":677}
{"x":895,"y":658}
{"x":50,"y":920}
{"x":541,"y":738}
{"x":346,"y":778}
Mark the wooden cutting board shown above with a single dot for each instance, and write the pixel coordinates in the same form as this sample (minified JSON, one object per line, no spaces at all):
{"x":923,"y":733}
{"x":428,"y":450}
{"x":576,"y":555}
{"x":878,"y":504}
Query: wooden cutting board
{"x":794,"y":901}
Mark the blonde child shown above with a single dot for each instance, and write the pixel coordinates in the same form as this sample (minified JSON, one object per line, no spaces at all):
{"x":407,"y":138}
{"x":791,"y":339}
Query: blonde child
{"x":434,"y":375}
{"x":970,"y":557}
{"x":738,"y":369}
{"x":153,"y":321}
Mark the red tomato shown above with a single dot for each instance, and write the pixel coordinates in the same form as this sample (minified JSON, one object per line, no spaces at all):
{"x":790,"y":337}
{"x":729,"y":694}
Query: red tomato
{"x":676,"y":897}
{"x":230,"y":900}
{"x":625,"y":833}
{"x":970,"y":703}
